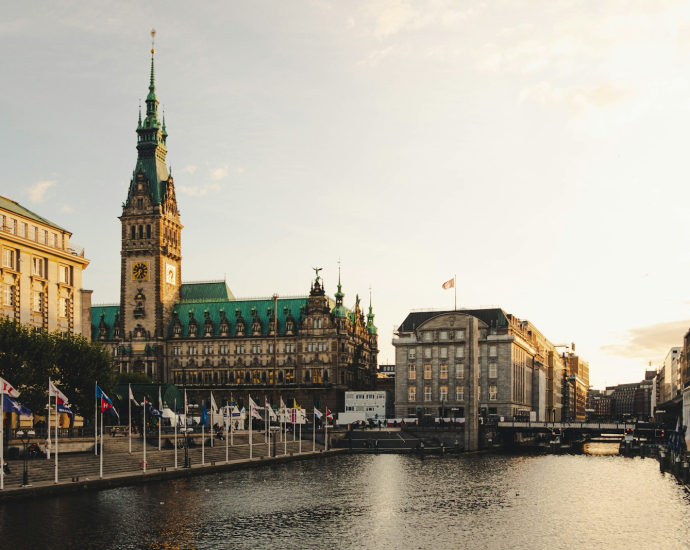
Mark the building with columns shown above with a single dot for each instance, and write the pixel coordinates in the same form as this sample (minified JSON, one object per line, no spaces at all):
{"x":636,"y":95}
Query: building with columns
{"x":41,"y":273}
{"x":308,"y":348}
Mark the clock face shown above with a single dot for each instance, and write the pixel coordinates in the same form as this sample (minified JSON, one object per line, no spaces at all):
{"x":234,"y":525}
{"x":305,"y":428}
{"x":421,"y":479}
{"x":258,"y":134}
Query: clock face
{"x":170,"y":274}
{"x":140,"y":271}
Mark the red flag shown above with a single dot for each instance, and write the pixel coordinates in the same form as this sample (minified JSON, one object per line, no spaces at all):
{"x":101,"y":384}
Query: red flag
{"x":329,"y":414}
{"x":449,"y":284}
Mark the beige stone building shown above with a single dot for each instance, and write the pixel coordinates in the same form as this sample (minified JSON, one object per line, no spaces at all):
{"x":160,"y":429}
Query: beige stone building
{"x":41,"y":272}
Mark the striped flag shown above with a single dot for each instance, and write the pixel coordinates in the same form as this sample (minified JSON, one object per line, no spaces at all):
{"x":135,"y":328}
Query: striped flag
{"x":449,"y":284}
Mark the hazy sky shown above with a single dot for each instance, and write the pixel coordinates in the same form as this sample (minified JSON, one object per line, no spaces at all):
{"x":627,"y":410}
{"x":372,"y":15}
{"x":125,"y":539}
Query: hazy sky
{"x":537,"y":149}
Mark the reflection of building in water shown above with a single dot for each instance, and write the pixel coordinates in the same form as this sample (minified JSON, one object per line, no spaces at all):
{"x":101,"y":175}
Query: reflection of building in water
{"x":311,"y":347}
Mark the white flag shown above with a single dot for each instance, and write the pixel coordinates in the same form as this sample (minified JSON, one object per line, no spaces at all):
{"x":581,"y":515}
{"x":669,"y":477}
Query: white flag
{"x":317,"y":413}
{"x":8,"y":389}
{"x":54,"y":392}
{"x":271,"y":412}
{"x":449,"y":284}
{"x":131,"y":396}
{"x":214,"y":407}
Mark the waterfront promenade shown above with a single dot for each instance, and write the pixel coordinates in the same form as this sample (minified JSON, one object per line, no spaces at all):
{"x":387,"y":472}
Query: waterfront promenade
{"x":81,"y":471}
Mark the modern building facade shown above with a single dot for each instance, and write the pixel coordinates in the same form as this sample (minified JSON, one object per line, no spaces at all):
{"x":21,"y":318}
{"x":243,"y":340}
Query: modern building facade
{"x":308,"y":348}
{"x":41,"y":272}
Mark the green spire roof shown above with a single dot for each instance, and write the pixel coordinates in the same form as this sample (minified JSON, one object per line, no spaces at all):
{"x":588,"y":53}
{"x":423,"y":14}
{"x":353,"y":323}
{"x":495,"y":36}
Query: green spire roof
{"x":371,"y":327}
{"x":151,"y":144}
{"x":339,"y":310}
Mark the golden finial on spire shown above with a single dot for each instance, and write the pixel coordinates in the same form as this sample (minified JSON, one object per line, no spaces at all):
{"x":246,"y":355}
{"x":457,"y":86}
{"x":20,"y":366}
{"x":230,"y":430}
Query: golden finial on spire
{"x":153,"y":35}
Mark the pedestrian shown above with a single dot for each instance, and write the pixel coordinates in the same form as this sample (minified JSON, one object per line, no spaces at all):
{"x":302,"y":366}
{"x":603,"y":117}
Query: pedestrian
{"x":47,"y":446}
{"x":6,"y":468}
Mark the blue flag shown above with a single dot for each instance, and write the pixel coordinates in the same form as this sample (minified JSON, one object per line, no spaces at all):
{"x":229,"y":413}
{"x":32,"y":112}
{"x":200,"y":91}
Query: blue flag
{"x":150,"y":410}
{"x":13,"y":406}
{"x":204,"y":415}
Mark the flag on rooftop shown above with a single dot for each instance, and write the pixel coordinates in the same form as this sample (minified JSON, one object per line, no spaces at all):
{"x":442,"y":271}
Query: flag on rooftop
{"x":449,"y":284}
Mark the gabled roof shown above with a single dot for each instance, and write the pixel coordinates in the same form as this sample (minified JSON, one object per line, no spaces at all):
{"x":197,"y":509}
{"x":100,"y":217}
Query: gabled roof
{"x":230,"y":307}
{"x":491,"y":316}
{"x":205,"y":291}
{"x":108,"y":312}
{"x":17,"y":208}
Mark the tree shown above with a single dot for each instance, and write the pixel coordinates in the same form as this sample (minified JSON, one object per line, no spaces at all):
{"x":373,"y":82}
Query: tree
{"x":29,"y":358}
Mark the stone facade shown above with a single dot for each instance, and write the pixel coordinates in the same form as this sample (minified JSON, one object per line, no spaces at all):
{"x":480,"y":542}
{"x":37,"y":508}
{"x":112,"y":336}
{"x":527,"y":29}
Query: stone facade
{"x":309,"y":349}
{"x":41,"y":272}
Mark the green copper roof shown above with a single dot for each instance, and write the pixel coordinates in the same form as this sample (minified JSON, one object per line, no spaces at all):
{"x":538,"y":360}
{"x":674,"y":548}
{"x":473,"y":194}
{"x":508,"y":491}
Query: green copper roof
{"x":18,"y":209}
{"x":108,"y":313}
{"x":230,"y":307}
{"x":211,"y":291}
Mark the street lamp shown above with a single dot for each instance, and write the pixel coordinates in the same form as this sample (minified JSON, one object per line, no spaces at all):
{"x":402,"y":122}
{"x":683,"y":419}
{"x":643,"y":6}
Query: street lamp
{"x":25,"y":437}
{"x":185,"y":433}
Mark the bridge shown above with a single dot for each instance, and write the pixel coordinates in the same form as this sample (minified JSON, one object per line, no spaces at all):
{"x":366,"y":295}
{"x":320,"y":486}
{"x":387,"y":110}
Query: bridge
{"x":593,"y":429}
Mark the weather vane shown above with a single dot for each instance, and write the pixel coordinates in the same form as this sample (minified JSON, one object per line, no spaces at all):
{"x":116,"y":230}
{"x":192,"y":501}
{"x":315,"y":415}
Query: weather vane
{"x":153,"y":35}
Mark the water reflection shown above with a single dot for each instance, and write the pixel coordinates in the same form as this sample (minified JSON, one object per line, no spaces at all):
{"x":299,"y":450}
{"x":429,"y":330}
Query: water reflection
{"x":386,"y":501}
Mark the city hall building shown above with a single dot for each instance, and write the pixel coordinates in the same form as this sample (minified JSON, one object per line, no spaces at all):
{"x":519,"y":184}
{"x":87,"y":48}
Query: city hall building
{"x":311,"y":348}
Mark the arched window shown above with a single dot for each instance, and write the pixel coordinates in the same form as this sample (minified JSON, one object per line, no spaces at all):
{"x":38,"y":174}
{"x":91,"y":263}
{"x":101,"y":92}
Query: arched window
{"x":141,"y":231}
{"x":148,"y":231}
{"x":263,"y":377}
{"x":134,"y":231}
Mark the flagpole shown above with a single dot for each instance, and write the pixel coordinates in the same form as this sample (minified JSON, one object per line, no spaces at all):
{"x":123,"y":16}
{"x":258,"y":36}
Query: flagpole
{"x":294,"y":418}
{"x":232,"y":429}
{"x":212,"y":417}
{"x":251,"y":413}
{"x":129,"y":429}
{"x":143,"y":465}
{"x":227,"y":436}
{"x":101,"y":470}
{"x":300,"y":436}
{"x":160,"y":418}
{"x":176,"y":433}
{"x":325,"y":434}
{"x":203,"y":442}
{"x":95,"y":424}
{"x":455,"y":289}
{"x":313,"y":431}
{"x":56,"y":440}
{"x":47,"y":416}
{"x":285,"y":425}
{"x":266,"y":422}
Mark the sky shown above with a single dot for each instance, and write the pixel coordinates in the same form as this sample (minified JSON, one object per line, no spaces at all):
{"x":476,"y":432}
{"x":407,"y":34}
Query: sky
{"x":535,"y":149}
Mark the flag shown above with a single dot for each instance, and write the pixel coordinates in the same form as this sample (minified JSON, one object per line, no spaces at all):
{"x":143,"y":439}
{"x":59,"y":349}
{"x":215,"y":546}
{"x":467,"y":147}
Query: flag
{"x":54,"y":392}
{"x":150,"y":410}
{"x":253,"y":409}
{"x":131,"y":397}
{"x":13,"y":406}
{"x":449,"y":284}
{"x":271,"y":412}
{"x":329,"y":414}
{"x":282,"y":404}
{"x":106,"y":403}
{"x":214,"y":407}
{"x":204,"y":414}
{"x":317,"y":413}
{"x":7,"y":389}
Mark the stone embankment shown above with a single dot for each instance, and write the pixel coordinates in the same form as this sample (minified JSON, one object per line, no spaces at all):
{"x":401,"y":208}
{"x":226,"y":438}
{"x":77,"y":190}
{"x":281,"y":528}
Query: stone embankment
{"x":81,"y":471}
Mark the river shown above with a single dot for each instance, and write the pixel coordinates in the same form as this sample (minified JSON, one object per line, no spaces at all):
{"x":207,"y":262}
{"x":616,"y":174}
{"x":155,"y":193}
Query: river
{"x":479,"y":500}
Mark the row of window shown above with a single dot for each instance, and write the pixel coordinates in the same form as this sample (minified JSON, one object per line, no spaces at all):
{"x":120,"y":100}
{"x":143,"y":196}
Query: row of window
{"x":224,"y":349}
{"x":39,"y":266}
{"x":442,"y":352}
{"x":248,"y":376}
{"x":37,"y":301}
{"x":443,"y":371}
{"x":26,"y":231}
{"x":443,"y":393}
{"x":428,"y":335}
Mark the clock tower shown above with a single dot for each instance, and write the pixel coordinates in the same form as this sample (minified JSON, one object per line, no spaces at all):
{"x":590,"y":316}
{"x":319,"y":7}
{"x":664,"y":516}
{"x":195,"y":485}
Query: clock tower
{"x":151,"y":243}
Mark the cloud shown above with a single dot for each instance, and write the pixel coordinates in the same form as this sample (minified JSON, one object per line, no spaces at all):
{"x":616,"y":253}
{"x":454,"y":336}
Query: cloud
{"x":375,"y":57}
{"x":219,"y":173}
{"x":578,"y":98}
{"x":38,"y":191}
{"x":197,"y":190}
{"x":651,"y":342}
{"x":67,"y":208}
{"x":189,"y":169}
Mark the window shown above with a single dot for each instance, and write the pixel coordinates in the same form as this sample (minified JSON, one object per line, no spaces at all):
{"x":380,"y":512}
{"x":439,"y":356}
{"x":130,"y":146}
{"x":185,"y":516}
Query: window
{"x":37,"y":267}
{"x":311,"y":346}
{"x":8,"y":256}
{"x":7,"y":295}
{"x":63,"y":307}
{"x":2,"y":222}
{"x":37,"y":304}
{"x":23,"y":230}
{"x":290,"y":376}
{"x":239,"y":348}
{"x":65,"y":275}
{"x":177,"y":350}
{"x":290,"y":348}
{"x":223,"y":349}
{"x":141,"y":231}
{"x":317,"y":323}
{"x":460,"y":352}
{"x":459,"y":334}
{"x":270,"y":348}
{"x":134,"y":232}
{"x":460,"y":371}
{"x":427,"y":393}
{"x":493,"y":393}
{"x":412,"y":354}
{"x":444,"y":372}
{"x":323,"y":346}
{"x":443,"y":335}
{"x":427,"y":353}
{"x":493,"y":352}
{"x":412,"y":372}
{"x":192,"y":350}
{"x":43,"y":236}
{"x":460,"y":393}
{"x":208,"y":350}
{"x":53,"y":240}
{"x":479,"y":351}
{"x":426,"y":336}
{"x":443,"y":393}
{"x":11,"y":225}
{"x":148,"y":231}
{"x":443,"y":353}
{"x":34,"y":233}
{"x":427,"y":372}
{"x":256,"y":348}
{"x":493,"y":370}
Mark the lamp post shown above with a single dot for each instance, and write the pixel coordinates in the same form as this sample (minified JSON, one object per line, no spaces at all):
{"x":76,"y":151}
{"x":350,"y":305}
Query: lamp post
{"x":25,"y":437}
{"x":185,"y":433}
